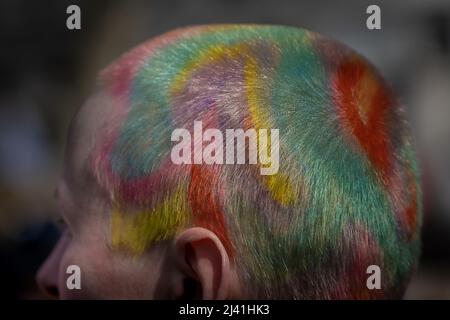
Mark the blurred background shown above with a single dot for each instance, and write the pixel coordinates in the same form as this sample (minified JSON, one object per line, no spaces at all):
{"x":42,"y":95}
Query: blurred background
{"x":46,"y":72}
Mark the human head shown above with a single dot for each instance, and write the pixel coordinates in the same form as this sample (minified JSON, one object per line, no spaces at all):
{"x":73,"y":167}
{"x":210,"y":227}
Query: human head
{"x":346,"y":195}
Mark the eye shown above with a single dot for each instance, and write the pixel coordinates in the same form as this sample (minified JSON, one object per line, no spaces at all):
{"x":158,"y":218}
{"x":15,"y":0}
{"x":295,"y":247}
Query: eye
{"x":63,"y":227}
{"x":61,"y":223}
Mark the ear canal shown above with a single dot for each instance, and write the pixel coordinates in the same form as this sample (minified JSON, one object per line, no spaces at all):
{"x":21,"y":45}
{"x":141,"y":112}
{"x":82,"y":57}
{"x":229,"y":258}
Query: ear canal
{"x":191,"y":287}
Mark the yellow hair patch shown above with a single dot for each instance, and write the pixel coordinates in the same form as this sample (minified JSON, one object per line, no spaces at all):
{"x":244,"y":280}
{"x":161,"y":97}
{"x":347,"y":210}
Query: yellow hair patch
{"x":136,"y":231}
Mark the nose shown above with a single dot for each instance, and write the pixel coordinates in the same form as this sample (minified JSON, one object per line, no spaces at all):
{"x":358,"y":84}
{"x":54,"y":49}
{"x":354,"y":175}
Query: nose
{"x":47,"y":276}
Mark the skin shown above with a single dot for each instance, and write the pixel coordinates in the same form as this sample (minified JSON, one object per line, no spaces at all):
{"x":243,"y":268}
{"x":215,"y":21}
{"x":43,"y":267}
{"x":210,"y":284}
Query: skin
{"x":195,"y":254}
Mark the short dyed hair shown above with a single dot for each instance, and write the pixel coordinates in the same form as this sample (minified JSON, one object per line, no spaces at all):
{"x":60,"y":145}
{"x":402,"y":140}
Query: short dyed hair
{"x":347,"y":193}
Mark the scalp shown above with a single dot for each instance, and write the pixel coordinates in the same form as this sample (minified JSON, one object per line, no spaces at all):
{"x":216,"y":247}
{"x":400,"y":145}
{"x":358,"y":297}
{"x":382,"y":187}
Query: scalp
{"x":347,"y":194}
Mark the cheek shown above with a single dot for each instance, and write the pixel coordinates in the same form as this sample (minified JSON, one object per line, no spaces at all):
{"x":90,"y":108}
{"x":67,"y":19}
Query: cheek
{"x":70,"y":257}
{"x":93,"y":267}
{"x":107,"y":275}
{"x":100,"y":275}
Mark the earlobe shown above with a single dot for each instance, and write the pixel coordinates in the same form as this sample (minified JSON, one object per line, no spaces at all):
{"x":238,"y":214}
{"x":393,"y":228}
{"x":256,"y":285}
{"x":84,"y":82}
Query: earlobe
{"x":204,"y":262}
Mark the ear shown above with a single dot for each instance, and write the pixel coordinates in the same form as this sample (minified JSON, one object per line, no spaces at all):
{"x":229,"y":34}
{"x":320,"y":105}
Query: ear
{"x":204,"y":265}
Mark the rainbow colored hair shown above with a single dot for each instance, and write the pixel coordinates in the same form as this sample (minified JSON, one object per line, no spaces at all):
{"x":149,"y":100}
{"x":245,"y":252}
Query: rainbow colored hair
{"x":347,"y":193}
